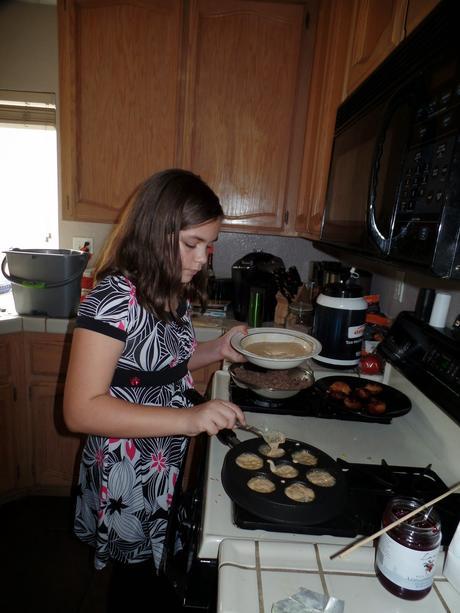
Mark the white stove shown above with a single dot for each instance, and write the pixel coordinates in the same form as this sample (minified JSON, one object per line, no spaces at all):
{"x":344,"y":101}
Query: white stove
{"x":258,"y":567}
{"x":424,"y":436}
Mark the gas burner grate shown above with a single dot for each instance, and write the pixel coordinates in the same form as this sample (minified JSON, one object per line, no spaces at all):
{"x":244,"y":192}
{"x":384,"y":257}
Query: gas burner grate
{"x":307,"y":403}
{"x":370,"y":487}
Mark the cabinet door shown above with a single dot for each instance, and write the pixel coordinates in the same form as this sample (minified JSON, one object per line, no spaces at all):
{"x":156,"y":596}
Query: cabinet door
{"x":202,"y":376}
{"x":119,"y":83}
{"x":329,"y":63}
{"x":55,"y":450}
{"x":417,"y":10}
{"x":8,"y":448}
{"x":378,"y":28}
{"x":241,"y":90}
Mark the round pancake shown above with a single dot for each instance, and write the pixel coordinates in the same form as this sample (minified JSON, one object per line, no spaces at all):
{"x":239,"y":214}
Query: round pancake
{"x":321,"y":478}
{"x":285,"y":471}
{"x":271,"y":452}
{"x":262,"y":485}
{"x":303,"y":456}
{"x":249,"y":461}
{"x":299,"y":493}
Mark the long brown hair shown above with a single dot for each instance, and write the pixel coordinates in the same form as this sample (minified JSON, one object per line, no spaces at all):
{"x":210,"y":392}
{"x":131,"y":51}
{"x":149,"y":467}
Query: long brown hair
{"x":144,"y":245}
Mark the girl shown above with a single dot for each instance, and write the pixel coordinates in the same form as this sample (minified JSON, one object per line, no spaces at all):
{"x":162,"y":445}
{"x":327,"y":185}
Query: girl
{"x":132,"y":350}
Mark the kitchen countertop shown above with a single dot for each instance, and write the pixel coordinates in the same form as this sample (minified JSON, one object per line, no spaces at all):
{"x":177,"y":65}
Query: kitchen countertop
{"x":208,"y":328}
{"x":254,"y":574}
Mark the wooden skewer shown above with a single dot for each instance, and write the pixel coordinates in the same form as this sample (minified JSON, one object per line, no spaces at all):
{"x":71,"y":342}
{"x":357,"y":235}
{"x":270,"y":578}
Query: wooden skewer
{"x":344,"y":552}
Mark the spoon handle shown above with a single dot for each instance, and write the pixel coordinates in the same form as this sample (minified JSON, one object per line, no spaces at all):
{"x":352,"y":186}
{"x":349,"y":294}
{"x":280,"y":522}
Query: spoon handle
{"x":250,"y":428}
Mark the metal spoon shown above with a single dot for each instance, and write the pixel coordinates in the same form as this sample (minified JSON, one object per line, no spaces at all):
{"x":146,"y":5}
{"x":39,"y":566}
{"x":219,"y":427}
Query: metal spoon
{"x":271,"y":437}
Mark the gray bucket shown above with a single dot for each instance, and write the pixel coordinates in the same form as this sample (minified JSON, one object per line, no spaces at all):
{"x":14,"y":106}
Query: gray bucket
{"x":45,"y":282}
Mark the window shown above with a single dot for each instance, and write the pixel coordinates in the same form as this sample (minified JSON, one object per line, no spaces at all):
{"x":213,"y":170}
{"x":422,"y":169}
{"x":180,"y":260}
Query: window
{"x":28,"y":171}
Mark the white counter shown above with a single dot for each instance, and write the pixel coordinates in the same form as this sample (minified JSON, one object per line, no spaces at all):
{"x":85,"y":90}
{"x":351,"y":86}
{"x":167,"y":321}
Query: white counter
{"x":253,"y":575}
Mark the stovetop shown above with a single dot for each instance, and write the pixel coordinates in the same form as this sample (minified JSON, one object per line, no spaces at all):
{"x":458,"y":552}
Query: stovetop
{"x":307,"y":403}
{"x":370,"y":487}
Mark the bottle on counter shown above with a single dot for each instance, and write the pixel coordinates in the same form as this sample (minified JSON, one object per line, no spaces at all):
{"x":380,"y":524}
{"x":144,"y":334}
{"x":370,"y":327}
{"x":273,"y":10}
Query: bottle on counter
{"x":406,"y":554}
{"x":256,"y":306}
{"x":338,"y":324}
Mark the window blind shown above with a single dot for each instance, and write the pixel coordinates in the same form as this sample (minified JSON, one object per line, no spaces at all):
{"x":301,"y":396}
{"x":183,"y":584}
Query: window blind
{"x":27,"y":108}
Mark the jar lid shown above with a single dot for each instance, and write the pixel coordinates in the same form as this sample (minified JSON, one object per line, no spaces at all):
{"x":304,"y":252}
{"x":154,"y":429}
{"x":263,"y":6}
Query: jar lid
{"x":341,"y":290}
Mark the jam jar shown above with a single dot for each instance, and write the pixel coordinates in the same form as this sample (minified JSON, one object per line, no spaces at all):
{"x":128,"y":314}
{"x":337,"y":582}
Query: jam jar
{"x":406,"y":554}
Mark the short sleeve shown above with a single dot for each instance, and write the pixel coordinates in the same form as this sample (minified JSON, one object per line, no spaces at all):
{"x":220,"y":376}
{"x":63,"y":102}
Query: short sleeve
{"x":106,"y":308}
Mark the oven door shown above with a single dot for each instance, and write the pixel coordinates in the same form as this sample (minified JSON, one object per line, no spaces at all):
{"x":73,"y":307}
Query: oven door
{"x":194,"y":580}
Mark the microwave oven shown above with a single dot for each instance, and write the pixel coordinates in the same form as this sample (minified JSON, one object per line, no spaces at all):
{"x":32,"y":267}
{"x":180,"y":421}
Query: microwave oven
{"x":394,"y":180}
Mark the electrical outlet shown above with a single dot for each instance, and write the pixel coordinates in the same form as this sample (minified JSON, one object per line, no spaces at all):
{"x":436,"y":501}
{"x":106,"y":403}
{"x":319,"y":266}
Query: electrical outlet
{"x":82,"y":244}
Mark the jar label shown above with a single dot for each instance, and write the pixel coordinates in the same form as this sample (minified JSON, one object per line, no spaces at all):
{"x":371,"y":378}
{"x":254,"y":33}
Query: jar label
{"x":408,"y":568}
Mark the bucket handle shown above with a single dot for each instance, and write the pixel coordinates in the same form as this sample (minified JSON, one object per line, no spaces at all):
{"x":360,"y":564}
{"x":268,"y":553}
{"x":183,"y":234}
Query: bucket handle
{"x":43,"y":284}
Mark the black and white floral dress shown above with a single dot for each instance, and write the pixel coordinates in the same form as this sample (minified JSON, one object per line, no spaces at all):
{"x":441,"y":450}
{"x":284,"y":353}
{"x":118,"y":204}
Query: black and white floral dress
{"x":126,"y":485}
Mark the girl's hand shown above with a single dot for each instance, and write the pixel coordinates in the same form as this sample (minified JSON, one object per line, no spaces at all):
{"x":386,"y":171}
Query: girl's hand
{"x":226,"y":350}
{"x":213,"y":416}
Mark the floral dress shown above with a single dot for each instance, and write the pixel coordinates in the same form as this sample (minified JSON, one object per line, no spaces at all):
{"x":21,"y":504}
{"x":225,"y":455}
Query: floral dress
{"x":126,"y":485}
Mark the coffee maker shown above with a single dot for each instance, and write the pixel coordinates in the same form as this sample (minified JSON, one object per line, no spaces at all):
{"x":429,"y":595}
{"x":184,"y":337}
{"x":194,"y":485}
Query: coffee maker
{"x":256,"y":269}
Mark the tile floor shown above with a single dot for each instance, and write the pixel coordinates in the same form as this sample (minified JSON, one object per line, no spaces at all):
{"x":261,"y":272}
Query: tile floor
{"x":45,"y":566}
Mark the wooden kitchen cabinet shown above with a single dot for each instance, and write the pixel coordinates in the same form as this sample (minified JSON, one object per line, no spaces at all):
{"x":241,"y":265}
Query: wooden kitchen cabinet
{"x":119,"y":95}
{"x":417,"y":10}
{"x":219,"y":88}
{"x":352,"y":39}
{"x":241,"y":119}
{"x":378,"y":28}
{"x":13,"y":417}
{"x":203,"y":376}
{"x":329,"y":63}
{"x":54,"y":448}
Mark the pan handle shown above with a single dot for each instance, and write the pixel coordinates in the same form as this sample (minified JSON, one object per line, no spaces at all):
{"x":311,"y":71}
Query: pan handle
{"x":228,"y":437}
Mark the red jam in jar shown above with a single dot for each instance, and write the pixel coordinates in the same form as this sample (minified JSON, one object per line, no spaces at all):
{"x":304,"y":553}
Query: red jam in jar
{"x":406,"y":554}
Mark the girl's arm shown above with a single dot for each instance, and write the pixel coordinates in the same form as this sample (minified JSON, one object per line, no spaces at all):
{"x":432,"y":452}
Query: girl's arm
{"x":216,"y":350}
{"x":89,"y":407}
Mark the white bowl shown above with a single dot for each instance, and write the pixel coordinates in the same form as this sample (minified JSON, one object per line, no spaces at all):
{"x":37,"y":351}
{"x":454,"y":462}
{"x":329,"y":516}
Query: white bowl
{"x":242,"y":343}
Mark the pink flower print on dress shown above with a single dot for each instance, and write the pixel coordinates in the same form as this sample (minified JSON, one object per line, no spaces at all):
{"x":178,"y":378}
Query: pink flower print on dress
{"x":132,"y":293}
{"x":158,"y":461}
{"x":189,"y":380}
{"x":130,"y":449}
{"x":103,"y":496}
{"x":173,"y":362}
{"x":99,"y":457}
{"x":121,"y":325}
{"x":194,"y":344}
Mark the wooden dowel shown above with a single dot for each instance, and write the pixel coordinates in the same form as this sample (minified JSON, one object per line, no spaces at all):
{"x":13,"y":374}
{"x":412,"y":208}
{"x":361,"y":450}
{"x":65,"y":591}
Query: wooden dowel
{"x":344,"y":552}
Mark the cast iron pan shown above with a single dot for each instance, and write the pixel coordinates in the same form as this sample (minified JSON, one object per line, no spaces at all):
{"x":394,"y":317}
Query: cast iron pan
{"x":276,"y":506}
{"x":397,"y":403}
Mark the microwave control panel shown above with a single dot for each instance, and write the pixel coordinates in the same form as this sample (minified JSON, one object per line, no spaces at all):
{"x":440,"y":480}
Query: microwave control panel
{"x":433,"y":158}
